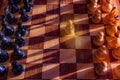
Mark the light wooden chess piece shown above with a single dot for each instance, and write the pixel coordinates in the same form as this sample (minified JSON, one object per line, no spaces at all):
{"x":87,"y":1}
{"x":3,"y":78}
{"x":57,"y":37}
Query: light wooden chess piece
{"x":111,"y":18}
{"x":99,"y":39}
{"x":101,"y":54}
{"x":116,"y":72}
{"x":93,"y":6}
{"x":69,"y":29}
{"x":112,"y":42}
{"x":101,"y":68}
{"x":97,"y":17}
{"x":116,"y":53}
{"x":107,"y":6}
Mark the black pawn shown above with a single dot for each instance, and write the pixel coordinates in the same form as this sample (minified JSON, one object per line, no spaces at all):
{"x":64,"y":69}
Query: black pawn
{"x":27,"y":7}
{"x":17,"y":68}
{"x":17,"y":1}
{"x":14,"y":8}
{"x":2,"y":70}
{"x":5,"y":41}
{"x":21,"y":29}
{"x":3,"y":56}
{"x":24,"y":17}
{"x":18,"y":53}
{"x":19,"y":40}
{"x":27,"y":1}
{"x":11,"y":18}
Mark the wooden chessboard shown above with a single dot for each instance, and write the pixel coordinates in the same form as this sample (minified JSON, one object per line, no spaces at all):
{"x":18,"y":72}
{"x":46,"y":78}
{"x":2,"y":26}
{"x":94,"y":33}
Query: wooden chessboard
{"x":49,"y":56}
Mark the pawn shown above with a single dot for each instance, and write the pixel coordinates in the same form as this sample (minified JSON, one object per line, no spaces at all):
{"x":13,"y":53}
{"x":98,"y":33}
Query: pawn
{"x":27,"y":7}
{"x":5,"y":41}
{"x":17,"y":68}
{"x":21,"y":29}
{"x":3,"y":56}
{"x":92,"y":7}
{"x":18,"y":53}
{"x":115,"y":53}
{"x":99,"y":39}
{"x":101,"y":54}
{"x":101,"y":68}
{"x":17,"y":1}
{"x":27,"y":1}
{"x":19,"y":40}
{"x":2,"y":70}
{"x":11,"y":18}
{"x":97,"y":17}
{"x":14,"y":8}
{"x":116,"y":72}
{"x":24,"y":17}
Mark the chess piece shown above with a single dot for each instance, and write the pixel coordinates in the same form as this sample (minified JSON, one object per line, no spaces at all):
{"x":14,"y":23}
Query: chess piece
{"x":14,"y":8}
{"x":99,"y":39}
{"x":107,"y":6}
{"x":69,"y":29}
{"x":92,"y":7}
{"x":21,"y":29}
{"x":27,"y":1}
{"x":111,"y":18}
{"x":101,"y":68}
{"x":112,"y":42}
{"x":18,"y":53}
{"x":19,"y":40}
{"x":3,"y":56}
{"x":5,"y":41}
{"x":7,"y":29}
{"x":101,"y":53}
{"x":17,"y":1}
{"x":11,"y":2}
{"x":2,"y":70}
{"x":17,"y":68}
{"x":27,"y":6}
{"x":97,"y":17}
{"x":116,"y":72}
{"x":115,"y":53}
{"x":24,"y":17}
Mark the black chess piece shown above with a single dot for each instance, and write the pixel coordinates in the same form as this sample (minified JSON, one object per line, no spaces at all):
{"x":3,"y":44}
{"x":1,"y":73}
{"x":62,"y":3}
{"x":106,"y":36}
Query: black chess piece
{"x":7,"y":29}
{"x":11,"y":2}
{"x":14,"y":8}
{"x":5,"y":41}
{"x":27,"y":1}
{"x":11,"y":18}
{"x":17,"y":68}
{"x":18,"y":53}
{"x":27,"y":7}
{"x":24,"y":17}
{"x":2,"y":70}
{"x":21,"y":29}
{"x":19,"y":40}
{"x":17,"y":1}
{"x":3,"y":56}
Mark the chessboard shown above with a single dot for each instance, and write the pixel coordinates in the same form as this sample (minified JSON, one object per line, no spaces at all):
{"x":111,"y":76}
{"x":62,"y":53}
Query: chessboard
{"x":50,"y":56}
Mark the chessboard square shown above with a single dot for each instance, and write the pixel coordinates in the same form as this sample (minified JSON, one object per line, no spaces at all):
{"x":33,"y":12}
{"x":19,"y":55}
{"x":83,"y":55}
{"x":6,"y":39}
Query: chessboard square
{"x":52,"y":19}
{"x":66,"y":1}
{"x":36,"y":42}
{"x":52,"y":2}
{"x":67,"y":42}
{"x":34,"y":56}
{"x":84,"y":56}
{"x":66,"y":17}
{"x":80,"y":8}
{"x":95,"y":28}
{"x":37,"y":30}
{"x":52,"y":30}
{"x":67,"y":56}
{"x":68,"y":71}
{"x":66,"y":9}
{"x":51,"y":43}
{"x":40,"y":2}
{"x":51,"y":56}
{"x":81,"y":19}
{"x":39,"y":9}
{"x":50,"y":71}
{"x":82,"y":30}
{"x":79,"y":1}
{"x":83,"y":42}
{"x":85,"y":71}
{"x":38,"y":19}
{"x":33,"y":71}
{"x":52,"y":9}
{"x":11,"y":76}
